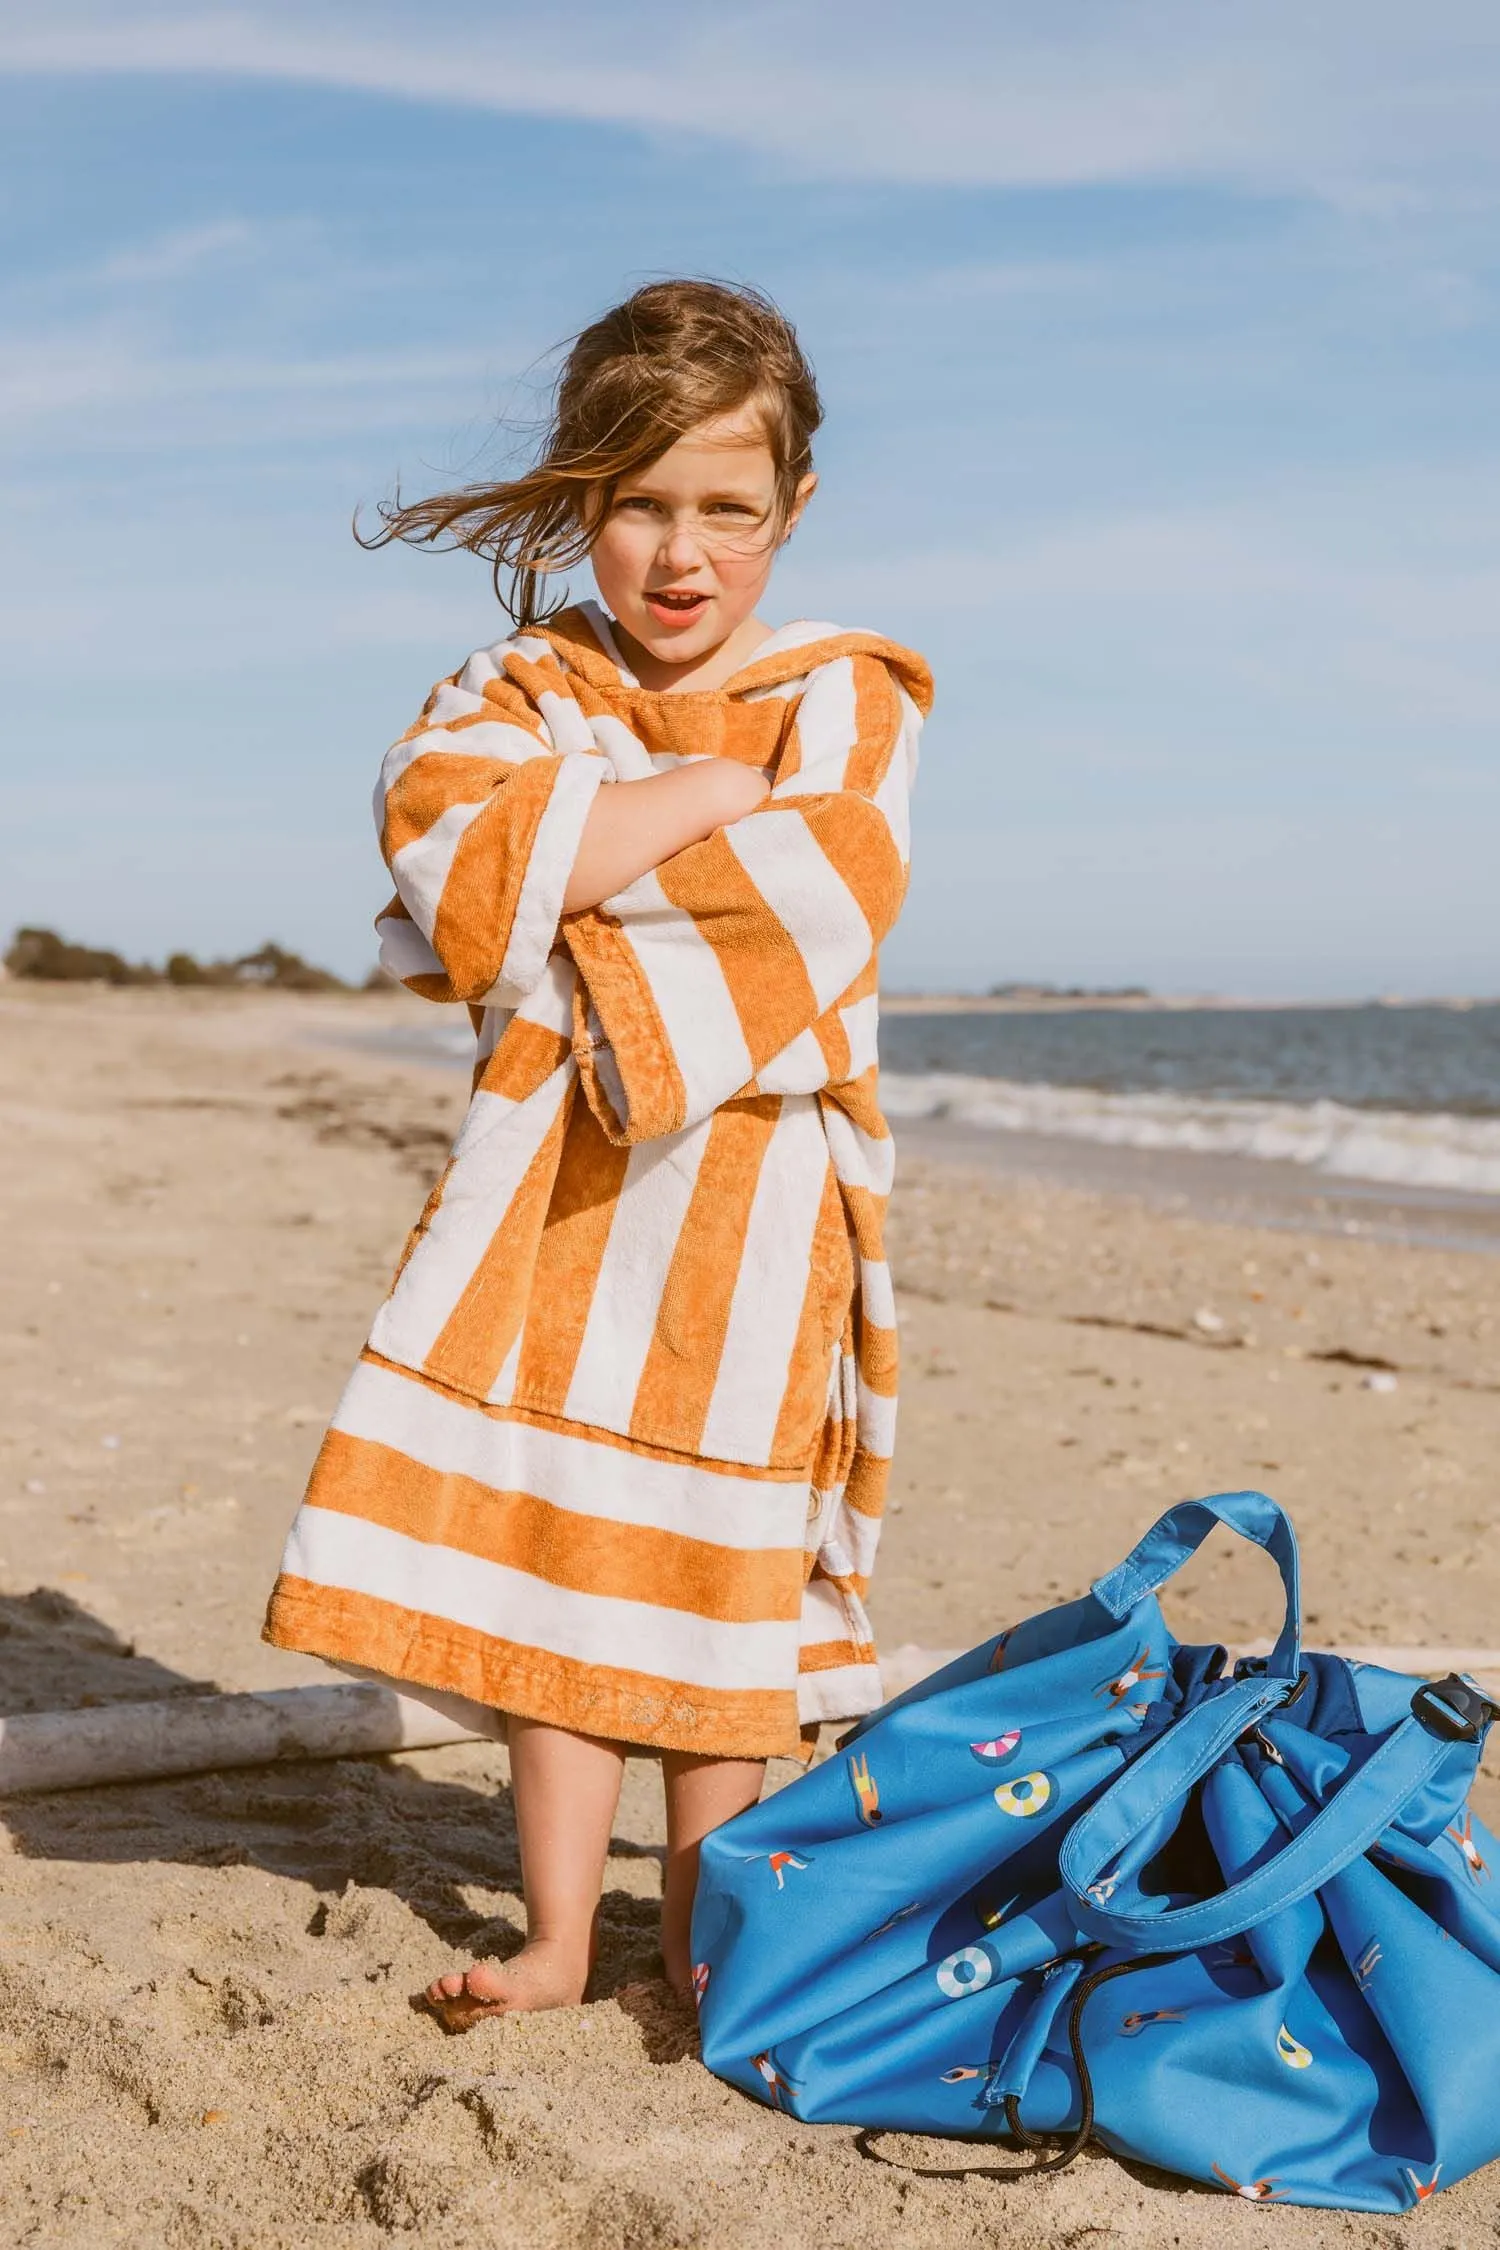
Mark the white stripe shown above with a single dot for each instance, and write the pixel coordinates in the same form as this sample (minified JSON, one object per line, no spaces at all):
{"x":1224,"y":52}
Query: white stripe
{"x":808,"y":896}
{"x":554,"y":847}
{"x":692,"y":998}
{"x":476,"y":1196}
{"x":875,"y":1422}
{"x":503,"y":1388}
{"x":422,"y":867}
{"x":800,"y":1068}
{"x":649,"y":1215}
{"x":569,"y":1470}
{"x":332,"y":1549}
{"x":766,"y":1308}
{"x":845,"y":1693}
{"x":550,"y":1001}
{"x":827,"y":729}
{"x":565,"y":722}
{"x":861,"y":1022}
{"x":486,"y":738}
{"x":828,"y":1615}
{"x":404,"y":951}
{"x":859,"y":1159}
{"x":625,"y":754}
{"x":847,"y":1548}
{"x":892,"y":800}
{"x":878,"y":1292}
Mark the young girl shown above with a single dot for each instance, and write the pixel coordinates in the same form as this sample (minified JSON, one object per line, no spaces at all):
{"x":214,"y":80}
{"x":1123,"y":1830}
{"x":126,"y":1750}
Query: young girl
{"x":613,"y":1460}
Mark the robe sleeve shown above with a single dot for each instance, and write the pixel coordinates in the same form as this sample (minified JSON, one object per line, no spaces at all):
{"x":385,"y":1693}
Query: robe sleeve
{"x":708,"y":977}
{"x":480,"y":820}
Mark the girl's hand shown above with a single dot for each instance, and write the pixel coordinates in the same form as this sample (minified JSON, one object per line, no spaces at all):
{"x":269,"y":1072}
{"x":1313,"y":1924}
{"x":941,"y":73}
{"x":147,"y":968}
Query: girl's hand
{"x":634,"y":825}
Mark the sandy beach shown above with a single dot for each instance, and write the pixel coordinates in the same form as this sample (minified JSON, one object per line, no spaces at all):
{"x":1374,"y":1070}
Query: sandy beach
{"x":205,"y":2030}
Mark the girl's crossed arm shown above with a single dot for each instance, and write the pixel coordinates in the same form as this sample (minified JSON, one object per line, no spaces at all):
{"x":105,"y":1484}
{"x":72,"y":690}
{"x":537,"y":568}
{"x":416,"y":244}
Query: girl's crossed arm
{"x":719,"y":963}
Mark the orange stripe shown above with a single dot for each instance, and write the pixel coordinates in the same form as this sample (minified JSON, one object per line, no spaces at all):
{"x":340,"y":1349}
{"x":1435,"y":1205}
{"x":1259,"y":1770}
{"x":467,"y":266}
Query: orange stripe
{"x":583,"y":1430}
{"x":761,"y":960}
{"x":472,"y":926}
{"x":478,"y":1333}
{"x":831,"y":1656}
{"x":833,"y":1039}
{"x":584,"y":1554}
{"x":869,"y":1474}
{"x":525,"y":1058}
{"x":598,"y":1699}
{"x":589,"y":1178}
{"x":830,"y":1285}
{"x":879,"y":1357}
{"x":430,"y":784}
{"x":624,"y":1004}
{"x":692,"y":1317}
{"x":860,"y":848}
{"x":877,"y":724}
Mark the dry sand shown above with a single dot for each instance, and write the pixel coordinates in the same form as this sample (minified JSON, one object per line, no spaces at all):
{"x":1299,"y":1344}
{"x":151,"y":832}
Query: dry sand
{"x":205,"y":2037}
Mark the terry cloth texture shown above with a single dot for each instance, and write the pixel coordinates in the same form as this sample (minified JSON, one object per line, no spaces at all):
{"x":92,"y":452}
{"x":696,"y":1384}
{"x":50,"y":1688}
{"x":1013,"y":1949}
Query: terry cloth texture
{"x":615,"y":1454}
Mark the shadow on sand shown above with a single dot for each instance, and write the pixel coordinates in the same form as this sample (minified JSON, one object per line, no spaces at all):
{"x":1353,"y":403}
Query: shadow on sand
{"x":374,"y":1822}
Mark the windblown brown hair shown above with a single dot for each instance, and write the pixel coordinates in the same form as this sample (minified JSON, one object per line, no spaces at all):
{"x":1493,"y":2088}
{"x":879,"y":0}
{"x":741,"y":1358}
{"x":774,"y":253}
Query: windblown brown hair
{"x":674,"y":355}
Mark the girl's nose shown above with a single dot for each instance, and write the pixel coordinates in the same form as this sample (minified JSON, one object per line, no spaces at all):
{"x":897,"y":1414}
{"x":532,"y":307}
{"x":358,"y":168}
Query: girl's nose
{"x":681,"y":548}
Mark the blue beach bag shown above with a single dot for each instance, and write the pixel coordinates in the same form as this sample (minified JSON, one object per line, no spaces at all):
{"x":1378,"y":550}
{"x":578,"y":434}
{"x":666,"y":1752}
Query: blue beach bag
{"x":1090,"y":1882}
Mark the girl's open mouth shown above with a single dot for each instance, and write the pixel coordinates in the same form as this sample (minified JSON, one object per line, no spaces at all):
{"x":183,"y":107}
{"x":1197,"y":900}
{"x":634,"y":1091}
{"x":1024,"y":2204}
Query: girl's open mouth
{"x":675,"y":608}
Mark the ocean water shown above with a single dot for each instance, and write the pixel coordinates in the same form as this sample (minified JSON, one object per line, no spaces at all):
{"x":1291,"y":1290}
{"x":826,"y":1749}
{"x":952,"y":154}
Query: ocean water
{"x":1407,"y":1097}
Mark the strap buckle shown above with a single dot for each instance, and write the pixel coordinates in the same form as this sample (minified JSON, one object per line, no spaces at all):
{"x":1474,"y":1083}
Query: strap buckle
{"x":1454,"y":1710}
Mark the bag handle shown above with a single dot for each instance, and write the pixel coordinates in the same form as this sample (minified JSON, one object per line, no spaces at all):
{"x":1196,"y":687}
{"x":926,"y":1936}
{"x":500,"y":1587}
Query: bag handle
{"x":1182,"y":1531}
{"x":1366,"y":1804}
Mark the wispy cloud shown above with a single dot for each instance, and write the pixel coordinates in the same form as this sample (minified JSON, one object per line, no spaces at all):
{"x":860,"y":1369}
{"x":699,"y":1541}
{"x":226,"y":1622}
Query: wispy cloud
{"x":1361,"y":100}
{"x":183,"y":251}
{"x":50,"y":377}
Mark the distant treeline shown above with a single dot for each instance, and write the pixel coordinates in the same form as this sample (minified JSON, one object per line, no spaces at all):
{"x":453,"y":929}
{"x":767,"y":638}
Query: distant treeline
{"x":1069,"y":992}
{"x":51,"y":959}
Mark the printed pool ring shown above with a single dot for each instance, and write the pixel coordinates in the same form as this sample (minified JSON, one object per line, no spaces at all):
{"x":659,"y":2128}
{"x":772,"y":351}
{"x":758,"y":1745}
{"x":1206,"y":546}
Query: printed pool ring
{"x":1024,"y":1797}
{"x":968,"y":1970}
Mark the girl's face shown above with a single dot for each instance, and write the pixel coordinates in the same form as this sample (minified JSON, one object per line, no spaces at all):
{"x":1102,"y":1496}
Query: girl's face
{"x":684,"y":552}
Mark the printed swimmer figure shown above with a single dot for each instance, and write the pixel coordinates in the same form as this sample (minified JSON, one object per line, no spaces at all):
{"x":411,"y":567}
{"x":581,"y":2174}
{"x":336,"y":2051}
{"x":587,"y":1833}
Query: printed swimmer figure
{"x":1134,"y":1674}
{"x":1254,"y":2191}
{"x":902,"y":1914}
{"x":782,"y":2090}
{"x":1368,"y":1962}
{"x":1233,"y":1957}
{"x":866,"y":1791}
{"x":997,"y":1653}
{"x":1462,"y":1834}
{"x":778,"y":1863}
{"x":1421,"y":2189}
{"x":961,"y":2071}
{"x":1139,"y":2018}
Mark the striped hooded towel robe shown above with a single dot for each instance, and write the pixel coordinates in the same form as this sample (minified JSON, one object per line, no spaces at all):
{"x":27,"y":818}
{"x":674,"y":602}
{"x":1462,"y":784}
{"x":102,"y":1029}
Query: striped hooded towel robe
{"x":615,"y":1454}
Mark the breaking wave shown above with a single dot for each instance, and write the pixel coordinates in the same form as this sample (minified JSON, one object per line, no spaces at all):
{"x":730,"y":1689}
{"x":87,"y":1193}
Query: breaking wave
{"x":1400,"y":1148}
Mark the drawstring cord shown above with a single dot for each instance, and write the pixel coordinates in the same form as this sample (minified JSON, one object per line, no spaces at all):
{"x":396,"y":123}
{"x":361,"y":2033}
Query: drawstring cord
{"x":1078,"y":2141}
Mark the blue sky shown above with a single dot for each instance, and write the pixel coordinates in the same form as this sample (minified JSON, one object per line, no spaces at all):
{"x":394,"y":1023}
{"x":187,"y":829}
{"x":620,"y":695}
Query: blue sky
{"x":1160,"y":344}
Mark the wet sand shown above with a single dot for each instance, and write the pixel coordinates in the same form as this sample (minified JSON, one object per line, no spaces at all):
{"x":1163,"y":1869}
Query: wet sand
{"x":204,"y":2029}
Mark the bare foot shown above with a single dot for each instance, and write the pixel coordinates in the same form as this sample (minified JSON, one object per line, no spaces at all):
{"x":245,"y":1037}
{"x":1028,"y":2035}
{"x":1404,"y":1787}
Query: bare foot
{"x":543,"y":1974}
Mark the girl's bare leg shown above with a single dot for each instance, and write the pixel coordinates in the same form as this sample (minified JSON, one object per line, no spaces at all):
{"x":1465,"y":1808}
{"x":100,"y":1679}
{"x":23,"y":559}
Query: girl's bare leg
{"x":566,"y":1788}
{"x":702,"y":1793}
